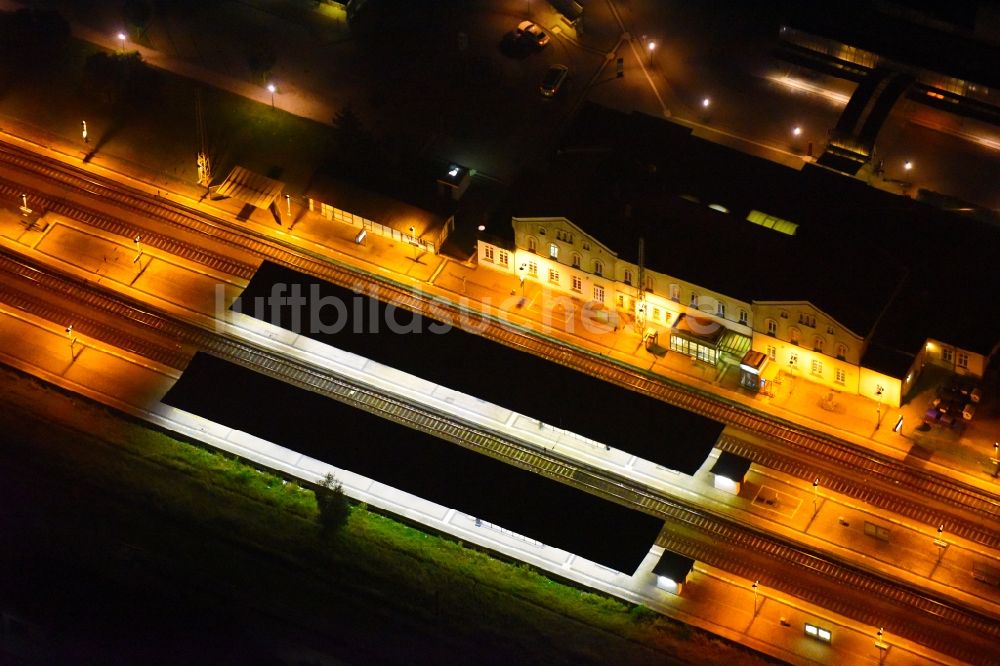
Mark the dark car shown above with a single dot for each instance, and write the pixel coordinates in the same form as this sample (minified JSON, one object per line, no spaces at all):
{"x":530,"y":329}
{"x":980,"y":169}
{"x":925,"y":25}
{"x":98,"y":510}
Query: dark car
{"x":554,"y":79}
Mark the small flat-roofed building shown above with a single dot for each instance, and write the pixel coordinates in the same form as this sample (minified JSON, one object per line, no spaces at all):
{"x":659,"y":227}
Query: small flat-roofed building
{"x":672,"y":571}
{"x":729,"y":471}
{"x":419,"y":211}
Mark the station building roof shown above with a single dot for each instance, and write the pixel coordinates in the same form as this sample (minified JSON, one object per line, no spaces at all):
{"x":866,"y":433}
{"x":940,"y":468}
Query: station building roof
{"x":864,"y":256}
{"x":349,"y":438}
{"x":517,"y":380}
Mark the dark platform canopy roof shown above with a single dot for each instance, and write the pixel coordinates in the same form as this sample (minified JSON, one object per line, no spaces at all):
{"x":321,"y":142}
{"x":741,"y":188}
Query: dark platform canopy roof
{"x":253,"y":188}
{"x":551,"y":393}
{"x":673,"y":566}
{"x":448,"y":474}
{"x":731,"y":466}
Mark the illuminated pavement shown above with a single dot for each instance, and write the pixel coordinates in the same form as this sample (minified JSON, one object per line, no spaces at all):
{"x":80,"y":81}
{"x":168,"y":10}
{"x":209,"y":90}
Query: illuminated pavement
{"x":134,"y":386}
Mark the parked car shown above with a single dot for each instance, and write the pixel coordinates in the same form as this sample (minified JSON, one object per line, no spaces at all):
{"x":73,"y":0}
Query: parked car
{"x":531,"y":33}
{"x":554,"y":78}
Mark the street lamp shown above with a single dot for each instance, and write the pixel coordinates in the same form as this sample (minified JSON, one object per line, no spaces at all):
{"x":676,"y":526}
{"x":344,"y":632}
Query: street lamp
{"x":652,"y":47}
{"x":705,"y":103}
{"x":815,"y":495}
{"x":121,"y":36}
{"x":288,"y":203}
{"x":756,"y":583}
{"x":878,"y":408}
{"x":85,"y":139}
{"x":996,"y":459}
{"x":521,"y":270}
{"x":907,"y":165}
{"x":413,"y":239}
{"x":796,"y":131}
{"x":270,"y":87}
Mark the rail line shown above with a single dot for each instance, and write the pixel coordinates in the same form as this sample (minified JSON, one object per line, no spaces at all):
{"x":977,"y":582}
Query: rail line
{"x":769,"y":558}
{"x":839,"y":464}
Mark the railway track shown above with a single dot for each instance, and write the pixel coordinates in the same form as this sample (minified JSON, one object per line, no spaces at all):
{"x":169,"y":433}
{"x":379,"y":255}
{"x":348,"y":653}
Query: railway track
{"x":966,"y":511}
{"x":759,"y":555}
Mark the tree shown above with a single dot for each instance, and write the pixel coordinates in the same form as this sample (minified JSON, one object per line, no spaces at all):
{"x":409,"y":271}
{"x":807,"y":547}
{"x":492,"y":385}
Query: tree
{"x":334,"y":509}
{"x":120,"y":78}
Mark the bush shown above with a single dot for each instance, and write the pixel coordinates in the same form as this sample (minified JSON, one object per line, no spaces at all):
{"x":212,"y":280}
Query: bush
{"x":334,"y":509}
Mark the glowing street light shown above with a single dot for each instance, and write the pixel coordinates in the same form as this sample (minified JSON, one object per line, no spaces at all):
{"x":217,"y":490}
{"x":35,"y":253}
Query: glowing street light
{"x":270,"y":87}
{"x":907,"y":165}
{"x":121,"y":37}
{"x":796,"y":131}
{"x":651,"y":46}
{"x":85,"y":139}
{"x":705,"y":103}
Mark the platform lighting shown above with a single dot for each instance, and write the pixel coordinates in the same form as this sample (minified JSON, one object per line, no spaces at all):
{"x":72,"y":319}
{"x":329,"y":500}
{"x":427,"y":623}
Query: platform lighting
{"x":413,"y":240}
{"x":651,"y":46}
{"x":907,"y":165}
{"x":755,"y":585}
{"x":121,"y":37}
{"x":705,"y":103}
{"x":85,"y":139}
{"x":271,"y":88}
{"x":796,"y":131}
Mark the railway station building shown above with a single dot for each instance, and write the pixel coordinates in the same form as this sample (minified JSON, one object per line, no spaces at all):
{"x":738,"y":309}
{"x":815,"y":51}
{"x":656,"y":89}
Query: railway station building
{"x":745,"y":264}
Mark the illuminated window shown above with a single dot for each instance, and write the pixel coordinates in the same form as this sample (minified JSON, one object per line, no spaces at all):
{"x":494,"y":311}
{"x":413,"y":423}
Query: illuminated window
{"x":818,"y":343}
{"x":656,"y":314}
{"x":962,"y":360}
{"x":532,"y":244}
{"x":694,"y":300}
{"x":743,"y":317}
{"x":816,"y":367}
{"x":675,"y":293}
{"x":502,"y":257}
{"x":598,"y":268}
{"x":553,"y":251}
{"x":841,"y":376}
{"x":628,"y":276}
{"x":772,"y":327}
{"x":533,"y":269}
{"x":772,"y":222}
{"x":577,"y":283}
{"x":793,"y":335}
{"x":841,"y":351}
{"x":488,"y":253}
{"x":553,"y":276}
{"x":620,"y":302}
{"x":771,"y":352}
{"x":720,"y":309}
{"x":818,"y":633}
{"x":598,"y":293}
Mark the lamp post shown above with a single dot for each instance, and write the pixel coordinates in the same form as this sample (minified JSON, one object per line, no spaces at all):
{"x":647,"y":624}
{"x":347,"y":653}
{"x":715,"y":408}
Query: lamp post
{"x":138,"y":248}
{"x":878,"y":406}
{"x":797,"y":131}
{"x":651,"y":46}
{"x":521,"y":270}
{"x":85,"y":139}
{"x":815,"y":496}
{"x":907,"y":165}
{"x":754,"y":587}
{"x":288,"y":204}
{"x":996,"y":459}
{"x":121,"y":37}
{"x":271,"y":88}
{"x":413,"y":240}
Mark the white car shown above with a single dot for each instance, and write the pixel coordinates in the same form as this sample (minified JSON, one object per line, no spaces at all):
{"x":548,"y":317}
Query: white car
{"x":531,"y":33}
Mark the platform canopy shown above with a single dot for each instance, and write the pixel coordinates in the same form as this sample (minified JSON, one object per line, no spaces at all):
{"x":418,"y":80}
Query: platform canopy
{"x":673,"y":566}
{"x":252,"y":188}
{"x":731,"y":466}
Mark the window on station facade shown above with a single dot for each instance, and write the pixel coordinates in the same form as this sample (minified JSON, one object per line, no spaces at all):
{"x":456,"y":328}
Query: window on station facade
{"x":772,"y":353}
{"x":962,"y":359}
{"x":818,"y":343}
{"x":533,"y":268}
{"x":816,"y":367}
{"x":541,"y":231}
{"x":841,"y":351}
{"x":744,"y":317}
{"x":720,"y":309}
{"x":503,"y":257}
{"x":772,"y":327}
{"x":656,"y":314}
{"x":553,"y":251}
{"x":532,"y":244}
{"x":488,"y":252}
{"x":807,"y":320}
{"x":620,"y":301}
{"x":598,"y":268}
{"x":693,"y":349}
{"x":794,"y":336}
{"x":576,"y":260}
{"x":627,"y":279}
{"x":649,"y":283}
{"x":598,"y":293}
{"x":553,"y":276}
{"x":675,"y":293}
{"x":947,"y":354}
{"x":694,"y":300}
{"x":841,"y":376}
{"x":577,"y":283}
